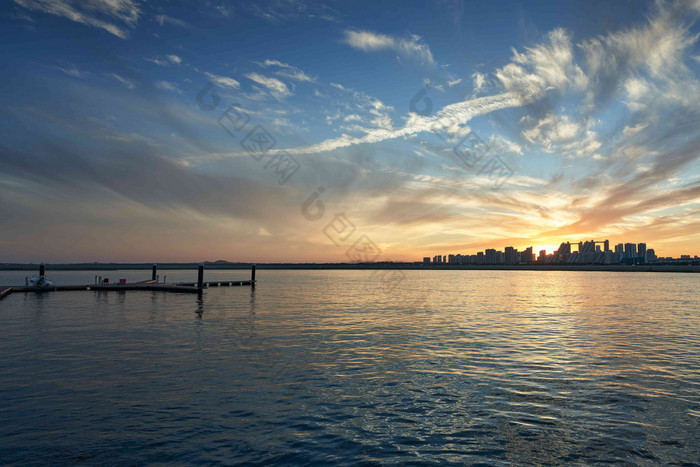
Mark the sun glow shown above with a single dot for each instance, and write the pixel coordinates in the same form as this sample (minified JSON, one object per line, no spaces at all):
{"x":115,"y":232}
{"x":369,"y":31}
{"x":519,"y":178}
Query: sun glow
{"x":549,"y":248}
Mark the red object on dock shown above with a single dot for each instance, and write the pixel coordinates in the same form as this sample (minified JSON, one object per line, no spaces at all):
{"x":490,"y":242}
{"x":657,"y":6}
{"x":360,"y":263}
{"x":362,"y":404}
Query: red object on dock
{"x":122,"y":281}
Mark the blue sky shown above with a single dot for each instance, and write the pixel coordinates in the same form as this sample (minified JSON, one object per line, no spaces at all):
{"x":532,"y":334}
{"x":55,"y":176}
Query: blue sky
{"x":311,"y":131}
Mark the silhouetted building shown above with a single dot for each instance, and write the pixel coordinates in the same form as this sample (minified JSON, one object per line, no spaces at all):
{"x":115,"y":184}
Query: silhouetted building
{"x":511,"y":255}
{"x":630,"y":250}
{"x":527,"y":255}
{"x":619,"y":252}
{"x":490,"y":256}
{"x":651,"y":255}
{"x":426,"y":260}
{"x":642,"y":252}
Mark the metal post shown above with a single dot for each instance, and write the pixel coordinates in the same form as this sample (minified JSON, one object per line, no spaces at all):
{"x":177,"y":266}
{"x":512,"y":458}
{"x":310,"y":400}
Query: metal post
{"x":153,"y":273}
{"x":42,"y":270}
{"x":200,"y":276}
{"x":252,"y":275}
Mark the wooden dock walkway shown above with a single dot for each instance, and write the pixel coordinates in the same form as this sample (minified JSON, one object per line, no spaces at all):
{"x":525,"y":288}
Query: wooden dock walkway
{"x":5,"y":291}
{"x":148,"y":285}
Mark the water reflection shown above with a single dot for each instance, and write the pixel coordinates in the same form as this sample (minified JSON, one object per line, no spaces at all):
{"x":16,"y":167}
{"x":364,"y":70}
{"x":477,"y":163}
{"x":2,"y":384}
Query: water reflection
{"x":334,"y":366}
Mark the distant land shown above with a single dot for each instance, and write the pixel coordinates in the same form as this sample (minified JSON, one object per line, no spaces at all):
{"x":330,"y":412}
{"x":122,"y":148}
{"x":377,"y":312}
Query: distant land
{"x":219,"y":265}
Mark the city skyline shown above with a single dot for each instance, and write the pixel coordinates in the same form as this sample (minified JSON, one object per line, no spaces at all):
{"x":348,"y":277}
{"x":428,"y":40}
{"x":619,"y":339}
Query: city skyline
{"x":584,"y":252}
{"x":267,"y":131}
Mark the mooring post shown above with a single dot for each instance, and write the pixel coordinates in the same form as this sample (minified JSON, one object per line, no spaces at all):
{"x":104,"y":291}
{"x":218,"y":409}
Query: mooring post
{"x":42,"y":270}
{"x":153,"y":272}
{"x":252,"y":275}
{"x":200,"y":276}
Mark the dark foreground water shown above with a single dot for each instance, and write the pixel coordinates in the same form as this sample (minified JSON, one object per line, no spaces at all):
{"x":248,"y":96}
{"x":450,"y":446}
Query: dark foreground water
{"x":509,"y":367}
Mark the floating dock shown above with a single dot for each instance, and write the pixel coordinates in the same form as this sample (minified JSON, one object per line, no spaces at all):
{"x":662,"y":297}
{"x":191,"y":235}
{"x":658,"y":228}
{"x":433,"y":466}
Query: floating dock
{"x":149,"y":285}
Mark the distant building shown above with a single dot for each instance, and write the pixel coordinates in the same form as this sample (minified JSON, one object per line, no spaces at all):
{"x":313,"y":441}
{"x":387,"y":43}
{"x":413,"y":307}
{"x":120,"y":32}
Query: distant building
{"x":651,"y":255}
{"x":619,"y":252}
{"x":527,"y":255}
{"x":490,"y":256}
{"x":630,"y":250}
{"x":426,"y":260}
{"x":511,"y":255}
{"x":542,"y":256}
{"x":642,"y":252}
{"x":606,"y":243}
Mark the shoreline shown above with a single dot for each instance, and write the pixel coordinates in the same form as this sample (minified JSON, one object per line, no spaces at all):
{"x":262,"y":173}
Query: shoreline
{"x":349,"y":266}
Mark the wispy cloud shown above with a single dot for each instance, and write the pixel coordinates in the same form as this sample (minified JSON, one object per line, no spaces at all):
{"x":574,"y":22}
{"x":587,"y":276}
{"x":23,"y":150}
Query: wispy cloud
{"x":129,"y":83}
{"x":174,"y":59}
{"x":73,"y":71}
{"x":412,"y":47}
{"x":539,"y":69}
{"x":171,"y":59}
{"x":103,"y":14}
{"x":224,"y":81}
{"x":168,"y":86}
{"x":165,"y":19}
{"x":276,"y":87}
{"x":288,"y":71}
{"x":451,"y":116}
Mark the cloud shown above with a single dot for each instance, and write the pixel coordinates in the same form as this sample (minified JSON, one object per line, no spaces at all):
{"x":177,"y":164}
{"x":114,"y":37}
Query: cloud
{"x":657,"y":48}
{"x":449,"y":116}
{"x":129,"y":83}
{"x":412,"y":47}
{"x":479,"y":81}
{"x":547,"y":66}
{"x":165,"y":19}
{"x":288,"y":71}
{"x":169,"y":60}
{"x":168,"y":87}
{"x":100,"y":14}
{"x":174,"y":59}
{"x":224,"y":81}
{"x":74,"y":72}
{"x":276,"y":87}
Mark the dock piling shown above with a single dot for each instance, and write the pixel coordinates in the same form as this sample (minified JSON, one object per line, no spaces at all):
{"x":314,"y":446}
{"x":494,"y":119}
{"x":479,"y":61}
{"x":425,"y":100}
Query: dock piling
{"x":200,"y":276}
{"x":252,"y":275}
{"x":153,"y":271}
{"x":42,"y":270}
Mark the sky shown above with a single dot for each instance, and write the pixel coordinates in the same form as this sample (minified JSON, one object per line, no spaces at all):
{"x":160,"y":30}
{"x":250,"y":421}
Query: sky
{"x":309,"y":131}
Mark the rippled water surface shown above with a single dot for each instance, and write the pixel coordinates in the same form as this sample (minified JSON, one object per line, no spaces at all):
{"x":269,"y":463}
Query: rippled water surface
{"x":497,"y":367}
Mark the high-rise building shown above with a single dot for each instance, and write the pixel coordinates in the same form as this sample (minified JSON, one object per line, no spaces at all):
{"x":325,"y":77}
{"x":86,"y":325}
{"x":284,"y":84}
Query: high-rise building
{"x":527,"y":255}
{"x":542,"y":256}
{"x":651,"y":255}
{"x":619,"y":252}
{"x":642,"y":252}
{"x":562,"y":254}
{"x":490,"y":256}
{"x":511,"y":255}
{"x":630,"y":250}
{"x":426,"y":260}
{"x":606,"y":243}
